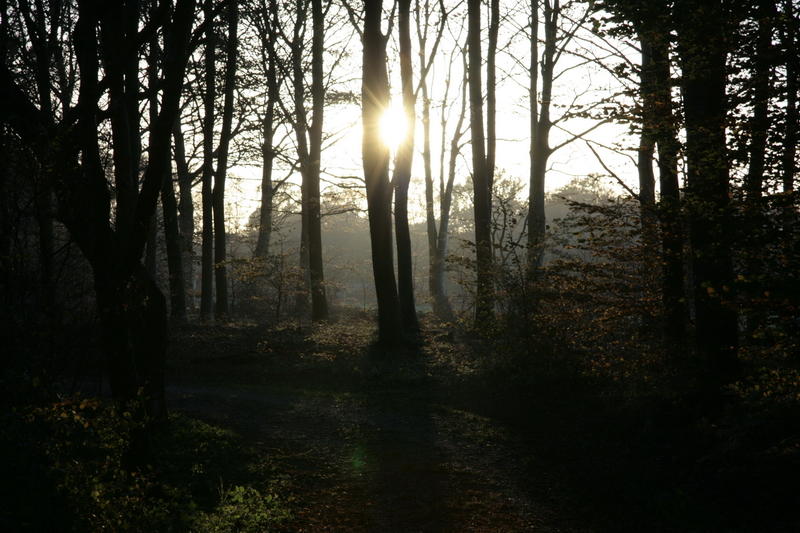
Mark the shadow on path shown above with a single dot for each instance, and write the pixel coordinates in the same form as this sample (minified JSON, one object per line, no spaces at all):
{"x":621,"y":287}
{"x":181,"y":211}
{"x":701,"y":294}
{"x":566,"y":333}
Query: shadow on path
{"x":382,"y":451}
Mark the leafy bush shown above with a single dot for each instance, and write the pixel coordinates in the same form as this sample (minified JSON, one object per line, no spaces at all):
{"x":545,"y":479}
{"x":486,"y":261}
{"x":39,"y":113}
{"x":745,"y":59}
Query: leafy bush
{"x":66,"y":471}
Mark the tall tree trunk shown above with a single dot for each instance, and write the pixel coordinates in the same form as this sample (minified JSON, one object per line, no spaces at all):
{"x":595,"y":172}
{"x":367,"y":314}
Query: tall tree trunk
{"x":267,"y":193}
{"x":788,"y":158}
{"x":759,"y":122}
{"x":319,"y":302}
{"x":702,"y":50}
{"x":484,"y":298}
{"x":267,"y":149}
{"x":207,"y":253}
{"x":446,"y":199}
{"x":186,"y":214}
{"x":669,"y":211}
{"x":375,"y":155}
{"x":301,"y":133}
{"x":541,"y":143}
{"x":491,"y":93}
{"x":535,"y":190}
{"x":220,"y":236}
{"x":115,"y":48}
{"x":169,"y":206}
{"x":402,"y":177}
{"x":647,"y":184}
{"x":177,"y":287}
{"x":430,"y":217}
{"x":436,"y":258}
{"x":131,"y":307}
{"x":151,"y":249}
{"x":43,"y":192}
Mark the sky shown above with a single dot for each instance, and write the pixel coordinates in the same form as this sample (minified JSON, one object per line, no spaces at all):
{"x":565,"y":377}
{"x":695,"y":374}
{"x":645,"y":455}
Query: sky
{"x":577,"y":82}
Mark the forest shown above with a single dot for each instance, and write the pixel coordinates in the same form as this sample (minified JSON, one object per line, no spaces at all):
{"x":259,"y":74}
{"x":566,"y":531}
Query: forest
{"x":429,"y":265}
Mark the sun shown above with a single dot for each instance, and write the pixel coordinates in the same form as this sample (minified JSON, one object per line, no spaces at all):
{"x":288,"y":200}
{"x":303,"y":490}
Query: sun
{"x":393,"y":126}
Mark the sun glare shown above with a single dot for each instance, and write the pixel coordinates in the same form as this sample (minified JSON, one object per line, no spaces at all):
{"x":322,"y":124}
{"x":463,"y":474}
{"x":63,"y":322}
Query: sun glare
{"x":393,"y":126}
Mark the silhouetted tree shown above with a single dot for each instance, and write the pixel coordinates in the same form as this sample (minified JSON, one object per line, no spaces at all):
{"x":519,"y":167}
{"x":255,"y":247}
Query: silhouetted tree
{"x":207,"y":178}
{"x":218,"y":194}
{"x":131,"y":308}
{"x":702,"y":41}
{"x":481,"y":180}
{"x":374,"y":99}
{"x":402,"y":175}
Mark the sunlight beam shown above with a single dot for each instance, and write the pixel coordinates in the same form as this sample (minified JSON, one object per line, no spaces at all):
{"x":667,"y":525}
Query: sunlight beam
{"x":393,"y":125}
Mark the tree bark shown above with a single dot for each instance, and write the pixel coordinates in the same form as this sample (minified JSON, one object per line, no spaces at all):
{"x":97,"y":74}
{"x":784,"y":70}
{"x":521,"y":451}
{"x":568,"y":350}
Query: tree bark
{"x":788,"y":158}
{"x":491,"y":93}
{"x":220,"y":235}
{"x":759,"y":122}
{"x":267,"y":149}
{"x":535,"y":189}
{"x":669,"y":211}
{"x":702,"y":50}
{"x":267,"y":193}
{"x":650,"y":262}
{"x":436,"y":254}
{"x":445,"y":310}
{"x":402,"y":177}
{"x":207,"y":252}
{"x":169,"y":206}
{"x":36,"y":25}
{"x":130,"y":306}
{"x":484,"y":298}
{"x":301,"y":133}
{"x":430,"y":217}
{"x":375,"y":157}
{"x":319,"y":302}
{"x":185,"y":214}
{"x":540,"y":143}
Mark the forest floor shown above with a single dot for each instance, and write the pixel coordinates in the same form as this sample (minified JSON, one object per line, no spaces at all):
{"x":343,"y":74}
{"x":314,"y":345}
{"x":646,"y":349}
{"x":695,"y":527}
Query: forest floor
{"x":365,"y":439}
{"x":446,"y":435}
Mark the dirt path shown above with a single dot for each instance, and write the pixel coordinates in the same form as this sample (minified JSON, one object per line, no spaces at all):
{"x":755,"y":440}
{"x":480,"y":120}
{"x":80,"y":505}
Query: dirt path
{"x":397,"y":456}
{"x":383,"y":461}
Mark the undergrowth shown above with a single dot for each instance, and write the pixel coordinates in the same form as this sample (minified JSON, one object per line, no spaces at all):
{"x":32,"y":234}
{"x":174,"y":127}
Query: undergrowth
{"x":65,"y":471}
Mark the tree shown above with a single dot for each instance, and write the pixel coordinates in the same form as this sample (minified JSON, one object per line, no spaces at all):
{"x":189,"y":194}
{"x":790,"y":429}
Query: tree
{"x":308,"y":134}
{"x":169,"y":206}
{"x":319,"y":302}
{"x":437,"y":238}
{"x":789,"y":38}
{"x":131,"y":308}
{"x":702,"y":51}
{"x":481,"y":180}
{"x":556,"y":42}
{"x":266,"y":19}
{"x":759,"y":122}
{"x":375,"y":156}
{"x":209,"y":97}
{"x":185,"y":210}
{"x":402,"y":176}
{"x":656,"y":39}
{"x":650,"y":24}
{"x":218,"y":194}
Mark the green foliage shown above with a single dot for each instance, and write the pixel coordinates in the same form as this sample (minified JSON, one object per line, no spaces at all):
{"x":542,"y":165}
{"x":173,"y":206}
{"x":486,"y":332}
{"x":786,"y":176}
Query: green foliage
{"x":69,"y":458}
{"x":770,"y":386}
{"x":243,"y":509}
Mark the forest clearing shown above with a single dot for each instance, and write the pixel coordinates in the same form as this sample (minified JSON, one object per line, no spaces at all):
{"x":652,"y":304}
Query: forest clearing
{"x":429,"y":265}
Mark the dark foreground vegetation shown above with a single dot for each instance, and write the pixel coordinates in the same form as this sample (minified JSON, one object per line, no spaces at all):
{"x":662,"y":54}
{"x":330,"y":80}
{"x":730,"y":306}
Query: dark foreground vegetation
{"x":291,"y":428}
